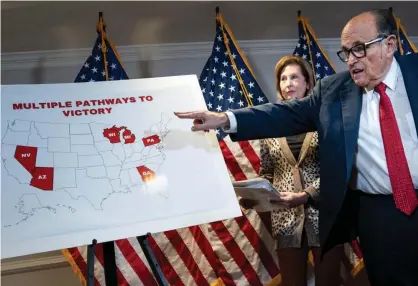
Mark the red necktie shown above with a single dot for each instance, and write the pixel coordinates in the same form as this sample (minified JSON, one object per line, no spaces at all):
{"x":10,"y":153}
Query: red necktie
{"x":400,"y":177}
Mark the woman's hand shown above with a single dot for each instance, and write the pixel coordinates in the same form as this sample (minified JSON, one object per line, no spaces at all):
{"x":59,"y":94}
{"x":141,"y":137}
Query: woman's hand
{"x":289,"y":199}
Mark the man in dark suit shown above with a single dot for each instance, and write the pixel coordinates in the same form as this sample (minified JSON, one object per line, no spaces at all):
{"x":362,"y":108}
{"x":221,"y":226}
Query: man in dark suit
{"x":367,"y":120}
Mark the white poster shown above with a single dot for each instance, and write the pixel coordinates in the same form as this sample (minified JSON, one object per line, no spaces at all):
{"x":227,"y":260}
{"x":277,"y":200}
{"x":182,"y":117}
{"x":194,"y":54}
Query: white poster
{"x":106,"y":161}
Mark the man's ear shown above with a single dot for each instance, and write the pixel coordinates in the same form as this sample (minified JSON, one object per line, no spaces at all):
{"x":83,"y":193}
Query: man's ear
{"x":391,"y":43}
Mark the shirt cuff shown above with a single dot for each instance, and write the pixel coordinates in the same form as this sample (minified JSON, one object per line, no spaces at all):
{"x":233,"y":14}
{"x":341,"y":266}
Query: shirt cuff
{"x":232,"y":123}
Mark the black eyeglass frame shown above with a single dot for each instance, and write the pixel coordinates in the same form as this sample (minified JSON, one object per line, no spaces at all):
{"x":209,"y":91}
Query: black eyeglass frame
{"x":346,"y":53}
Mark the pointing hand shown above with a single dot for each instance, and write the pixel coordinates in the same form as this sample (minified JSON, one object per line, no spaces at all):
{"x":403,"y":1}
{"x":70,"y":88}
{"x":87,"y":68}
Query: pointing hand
{"x":205,"y":120}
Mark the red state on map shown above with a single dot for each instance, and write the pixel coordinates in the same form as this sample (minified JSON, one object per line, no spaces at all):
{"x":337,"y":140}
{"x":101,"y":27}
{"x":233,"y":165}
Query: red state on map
{"x":151,"y":140}
{"x":128,"y":136}
{"x":26,"y":156}
{"x":147,"y":174}
{"x":113,"y":134}
{"x":43,"y":178}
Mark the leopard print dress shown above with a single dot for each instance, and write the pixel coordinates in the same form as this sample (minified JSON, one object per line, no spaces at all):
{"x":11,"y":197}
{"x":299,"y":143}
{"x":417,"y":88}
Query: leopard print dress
{"x":288,"y":174}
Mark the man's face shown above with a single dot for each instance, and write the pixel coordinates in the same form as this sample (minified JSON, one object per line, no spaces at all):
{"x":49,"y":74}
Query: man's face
{"x":370,"y":70}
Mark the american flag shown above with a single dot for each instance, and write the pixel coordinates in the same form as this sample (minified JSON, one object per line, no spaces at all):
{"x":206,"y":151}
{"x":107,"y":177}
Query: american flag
{"x":232,"y":252}
{"x":131,"y":265}
{"x":245,"y":244}
{"x":184,"y":255}
{"x":94,"y":68}
{"x":405,"y":46}
{"x":308,"y":48}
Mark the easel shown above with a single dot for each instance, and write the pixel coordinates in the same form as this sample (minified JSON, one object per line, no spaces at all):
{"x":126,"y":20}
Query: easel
{"x":152,"y":261}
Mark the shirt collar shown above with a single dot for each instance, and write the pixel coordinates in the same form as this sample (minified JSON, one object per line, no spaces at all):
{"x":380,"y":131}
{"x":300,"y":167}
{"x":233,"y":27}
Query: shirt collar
{"x":391,"y":77}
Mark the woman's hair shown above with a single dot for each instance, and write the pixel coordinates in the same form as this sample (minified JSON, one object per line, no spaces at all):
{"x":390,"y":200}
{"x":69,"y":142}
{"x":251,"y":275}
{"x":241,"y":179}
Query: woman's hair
{"x":305,"y":68}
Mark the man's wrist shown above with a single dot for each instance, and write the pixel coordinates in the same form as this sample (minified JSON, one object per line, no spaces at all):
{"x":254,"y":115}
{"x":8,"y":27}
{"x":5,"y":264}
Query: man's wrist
{"x":225,"y":121}
{"x":231,"y":124}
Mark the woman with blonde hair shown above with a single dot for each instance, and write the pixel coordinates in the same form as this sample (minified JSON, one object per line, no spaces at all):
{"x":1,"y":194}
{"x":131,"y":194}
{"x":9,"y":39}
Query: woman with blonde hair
{"x":291,"y":164}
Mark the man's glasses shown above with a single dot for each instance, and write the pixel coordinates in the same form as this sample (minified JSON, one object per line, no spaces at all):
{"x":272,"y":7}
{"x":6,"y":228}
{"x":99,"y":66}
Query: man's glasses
{"x":359,"y":50}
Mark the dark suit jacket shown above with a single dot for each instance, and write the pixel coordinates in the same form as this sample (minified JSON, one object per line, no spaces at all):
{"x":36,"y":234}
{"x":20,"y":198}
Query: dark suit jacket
{"x":333,"y":109}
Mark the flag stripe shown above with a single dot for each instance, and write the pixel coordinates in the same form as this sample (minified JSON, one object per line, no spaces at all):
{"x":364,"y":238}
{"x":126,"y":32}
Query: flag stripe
{"x":78,"y":259}
{"x":206,"y":248}
{"x":265,"y":217}
{"x":225,"y":257}
{"x":264,"y":235}
{"x":174,"y":259}
{"x":138,"y":249}
{"x":243,"y":161}
{"x":126,"y":270}
{"x":98,"y":267}
{"x":99,"y":252}
{"x":198,"y":256}
{"x":236,"y":253}
{"x":258,"y":245}
{"x":170,"y":274}
{"x":231,"y":162}
{"x":82,"y":263}
{"x":249,"y":251}
{"x":184,"y":253}
{"x":136,"y":263}
{"x":251,"y":155}
{"x":256,"y":146}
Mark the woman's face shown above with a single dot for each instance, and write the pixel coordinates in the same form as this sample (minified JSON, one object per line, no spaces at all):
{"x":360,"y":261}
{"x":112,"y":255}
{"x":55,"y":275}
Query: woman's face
{"x":292,"y":83}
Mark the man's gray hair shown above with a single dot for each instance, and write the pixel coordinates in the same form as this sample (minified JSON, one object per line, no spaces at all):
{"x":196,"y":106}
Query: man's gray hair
{"x":385,"y":22}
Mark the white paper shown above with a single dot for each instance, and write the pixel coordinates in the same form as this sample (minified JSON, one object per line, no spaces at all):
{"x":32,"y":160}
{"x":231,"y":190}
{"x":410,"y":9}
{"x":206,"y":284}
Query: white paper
{"x":75,"y":182}
{"x":265,"y":200}
{"x":260,"y":191}
{"x":255,"y":183}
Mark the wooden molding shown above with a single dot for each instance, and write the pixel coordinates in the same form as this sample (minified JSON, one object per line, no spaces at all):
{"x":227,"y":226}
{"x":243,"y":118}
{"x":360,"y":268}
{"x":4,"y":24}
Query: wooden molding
{"x":76,"y":57}
{"x":33,"y":263}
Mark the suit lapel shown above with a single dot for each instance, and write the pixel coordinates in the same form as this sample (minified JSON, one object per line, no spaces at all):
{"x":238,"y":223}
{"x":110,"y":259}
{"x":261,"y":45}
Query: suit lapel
{"x":410,"y":77}
{"x":351,"y":101}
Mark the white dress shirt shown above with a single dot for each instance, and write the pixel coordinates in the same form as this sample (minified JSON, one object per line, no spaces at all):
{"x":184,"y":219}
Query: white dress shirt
{"x":370,"y":173}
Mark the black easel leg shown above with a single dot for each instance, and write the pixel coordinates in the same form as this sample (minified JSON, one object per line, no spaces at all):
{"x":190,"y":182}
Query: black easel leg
{"x":110,"y":263}
{"x":152,"y":261}
{"x":90,"y":263}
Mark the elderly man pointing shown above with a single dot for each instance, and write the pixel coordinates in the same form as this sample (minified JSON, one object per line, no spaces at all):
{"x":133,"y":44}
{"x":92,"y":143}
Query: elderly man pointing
{"x":367,"y":119}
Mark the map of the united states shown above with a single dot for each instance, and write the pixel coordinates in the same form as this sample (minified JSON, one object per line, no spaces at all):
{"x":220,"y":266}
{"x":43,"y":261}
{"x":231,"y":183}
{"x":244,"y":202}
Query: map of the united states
{"x":60,"y":157}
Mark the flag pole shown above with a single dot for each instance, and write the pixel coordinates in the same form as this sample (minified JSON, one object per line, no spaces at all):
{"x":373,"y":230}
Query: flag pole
{"x":90,"y":263}
{"x":109,"y":256}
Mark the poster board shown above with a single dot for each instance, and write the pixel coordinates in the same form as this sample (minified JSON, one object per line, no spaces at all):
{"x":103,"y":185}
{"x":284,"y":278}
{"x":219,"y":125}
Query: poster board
{"x":106,"y":161}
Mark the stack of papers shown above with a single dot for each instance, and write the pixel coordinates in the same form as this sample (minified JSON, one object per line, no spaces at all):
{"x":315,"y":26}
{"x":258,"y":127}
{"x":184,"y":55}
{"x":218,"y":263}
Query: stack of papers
{"x":261,"y":191}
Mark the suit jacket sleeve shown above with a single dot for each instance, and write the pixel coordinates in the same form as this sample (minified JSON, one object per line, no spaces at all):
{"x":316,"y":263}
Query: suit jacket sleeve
{"x":279,"y":119}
